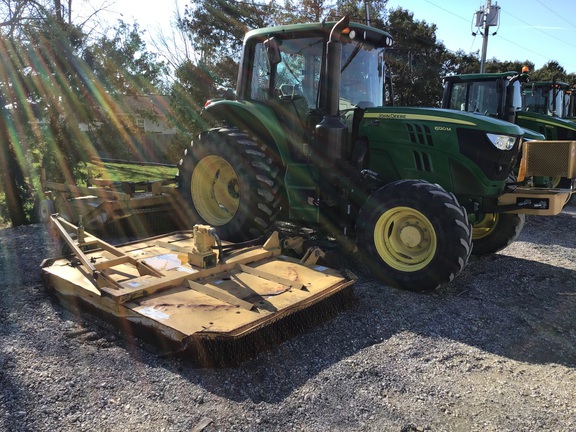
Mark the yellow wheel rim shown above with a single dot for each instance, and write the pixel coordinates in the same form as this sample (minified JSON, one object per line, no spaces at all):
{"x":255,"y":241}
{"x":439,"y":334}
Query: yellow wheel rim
{"x":556,"y":181}
{"x":405,"y":239}
{"x":485,"y":225}
{"x":215,"y":191}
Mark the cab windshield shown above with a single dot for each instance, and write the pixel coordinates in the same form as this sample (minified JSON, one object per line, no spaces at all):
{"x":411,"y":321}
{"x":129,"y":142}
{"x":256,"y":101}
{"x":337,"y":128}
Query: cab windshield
{"x":362,"y":76}
{"x":298,"y":72}
{"x":480,"y":97}
{"x":543,"y":100}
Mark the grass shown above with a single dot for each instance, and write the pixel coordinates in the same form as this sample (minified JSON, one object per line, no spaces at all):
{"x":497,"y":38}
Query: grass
{"x":130,"y":172}
{"x":113,"y":171}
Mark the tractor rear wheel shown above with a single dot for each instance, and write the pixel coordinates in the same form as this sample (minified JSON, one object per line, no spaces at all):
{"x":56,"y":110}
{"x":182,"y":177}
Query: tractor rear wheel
{"x":492,"y":232}
{"x":414,"y":235}
{"x":229,"y":183}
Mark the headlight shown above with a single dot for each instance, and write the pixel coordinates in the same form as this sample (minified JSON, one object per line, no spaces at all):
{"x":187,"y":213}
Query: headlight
{"x":502,"y":142}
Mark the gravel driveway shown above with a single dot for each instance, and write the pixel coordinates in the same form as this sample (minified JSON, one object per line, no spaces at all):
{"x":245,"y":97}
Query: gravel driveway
{"x":493,"y":351}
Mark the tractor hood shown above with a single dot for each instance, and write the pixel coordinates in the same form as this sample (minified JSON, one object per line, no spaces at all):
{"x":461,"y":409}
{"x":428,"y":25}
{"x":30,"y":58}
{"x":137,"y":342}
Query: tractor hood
{"x":546,"y":120}
{"x":439,"y":119}
{"x":529,"y":134}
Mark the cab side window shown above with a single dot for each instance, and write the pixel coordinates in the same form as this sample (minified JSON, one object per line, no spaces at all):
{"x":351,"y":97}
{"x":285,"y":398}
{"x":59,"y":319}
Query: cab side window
{"x":260,"y":74}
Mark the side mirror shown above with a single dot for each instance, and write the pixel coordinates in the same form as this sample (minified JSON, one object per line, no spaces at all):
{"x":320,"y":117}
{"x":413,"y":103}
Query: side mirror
{"x":273,"y":50}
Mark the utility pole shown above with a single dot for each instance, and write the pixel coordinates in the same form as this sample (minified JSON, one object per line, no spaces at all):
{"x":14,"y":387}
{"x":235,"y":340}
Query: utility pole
{"x":486,"y":17}
{"x":367,"y":13}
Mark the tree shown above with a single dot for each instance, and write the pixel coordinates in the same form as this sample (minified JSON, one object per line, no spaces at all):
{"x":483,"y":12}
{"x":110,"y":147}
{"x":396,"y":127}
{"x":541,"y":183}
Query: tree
{"x":461,"y":62}
{"x":122,"y":63}
{"x":357,"y":11}
{"x":173,"y":46}
{"x":416,"y":60}
{"x":50,"y":91}
{"x":216,"y":30}
{"x":548,"y":72}
{"x":121,"y":66}
{"x":494,"y":65}
{"x":21,"y":82}
{"x":217,"y":27}
{"x":303,"y":11}
{"x":195,"y":83}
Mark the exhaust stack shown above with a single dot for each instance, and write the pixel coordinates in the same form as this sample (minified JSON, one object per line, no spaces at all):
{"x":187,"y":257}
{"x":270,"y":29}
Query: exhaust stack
{"x":331,"y":132}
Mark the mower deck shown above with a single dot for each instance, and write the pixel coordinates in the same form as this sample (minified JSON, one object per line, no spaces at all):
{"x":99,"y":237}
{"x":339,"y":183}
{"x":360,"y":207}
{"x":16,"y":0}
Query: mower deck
{"x":219,"y":314}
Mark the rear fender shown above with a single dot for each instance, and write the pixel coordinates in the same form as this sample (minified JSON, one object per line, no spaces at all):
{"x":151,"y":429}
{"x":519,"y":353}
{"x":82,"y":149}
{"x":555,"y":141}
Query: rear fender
{"x":257,"y":119}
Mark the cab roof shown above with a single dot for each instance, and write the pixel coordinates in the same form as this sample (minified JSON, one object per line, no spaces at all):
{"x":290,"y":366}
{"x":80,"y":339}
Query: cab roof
{"x":480,"y":76}
{"x":370,"y":34}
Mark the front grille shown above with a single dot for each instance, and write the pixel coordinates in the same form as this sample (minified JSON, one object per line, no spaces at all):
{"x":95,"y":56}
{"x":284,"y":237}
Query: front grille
{"x":495,"y":164}
{"x":419,"y":134}
{"x":422,"y":161}
{"x":550,"y":158}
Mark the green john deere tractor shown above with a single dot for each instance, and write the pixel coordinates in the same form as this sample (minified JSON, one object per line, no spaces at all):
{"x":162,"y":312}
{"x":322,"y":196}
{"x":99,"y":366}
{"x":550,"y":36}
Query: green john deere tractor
{"x":538,"y":107}
{"x":309,"y":137}
{"x":535,"y":106}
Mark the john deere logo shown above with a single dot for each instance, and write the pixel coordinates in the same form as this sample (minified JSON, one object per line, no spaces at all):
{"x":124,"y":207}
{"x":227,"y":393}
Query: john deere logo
{"x":393,"y":116}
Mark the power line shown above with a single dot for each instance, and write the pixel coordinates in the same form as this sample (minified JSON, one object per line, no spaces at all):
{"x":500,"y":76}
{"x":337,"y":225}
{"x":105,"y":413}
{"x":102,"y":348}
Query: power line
{"x":533,"y":52}
{"x":446,"y":10}
{"x":509,"y":41}
{"x":556,"y":13}
{"x":540,"y":30}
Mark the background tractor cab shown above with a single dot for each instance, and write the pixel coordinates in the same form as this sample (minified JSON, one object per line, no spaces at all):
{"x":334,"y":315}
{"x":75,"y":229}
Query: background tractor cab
{"x":570,"y":103}
{"x":537,"y":107}
{"x":545,"y":97}
{"x":497,"y":95}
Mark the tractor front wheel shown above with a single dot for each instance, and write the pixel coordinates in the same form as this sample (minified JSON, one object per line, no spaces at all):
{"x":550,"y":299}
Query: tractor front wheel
{"x":492,"y":232}
{"x":414,"y":235}
{"x":229,"y":183}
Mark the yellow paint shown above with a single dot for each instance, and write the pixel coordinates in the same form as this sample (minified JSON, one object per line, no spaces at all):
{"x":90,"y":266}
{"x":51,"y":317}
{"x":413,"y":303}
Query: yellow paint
{"x":401,"y":116}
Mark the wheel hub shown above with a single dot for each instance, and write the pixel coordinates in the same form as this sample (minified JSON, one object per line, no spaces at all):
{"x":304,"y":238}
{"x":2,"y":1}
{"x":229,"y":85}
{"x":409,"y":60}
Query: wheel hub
{"x":405,"y":239}
{"x":484,"y":225}
{"x":215,"y":190}
{"x":411,"y":236}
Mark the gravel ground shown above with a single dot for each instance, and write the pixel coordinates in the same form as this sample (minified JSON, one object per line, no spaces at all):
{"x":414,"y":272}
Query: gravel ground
{"x":493,"y":351}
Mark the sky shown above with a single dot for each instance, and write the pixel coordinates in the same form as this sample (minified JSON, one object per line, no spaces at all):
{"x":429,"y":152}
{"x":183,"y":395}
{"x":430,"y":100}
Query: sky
{"x":534,"y":30}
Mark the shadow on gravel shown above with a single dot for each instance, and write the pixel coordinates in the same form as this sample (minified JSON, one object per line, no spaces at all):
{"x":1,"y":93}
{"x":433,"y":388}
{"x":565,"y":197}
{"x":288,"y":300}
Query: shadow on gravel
{"x":13,"y":394}
{"x":548,"y":231}
{"x":510,"y":307}
{"x":20,"y":249}
{"x":515,"y":308}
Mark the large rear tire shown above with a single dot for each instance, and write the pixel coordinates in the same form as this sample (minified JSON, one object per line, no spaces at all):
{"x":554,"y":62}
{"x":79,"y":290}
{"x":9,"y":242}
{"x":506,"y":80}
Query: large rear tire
{"x":495,"y":231}
{"x":414,"y":235}
{"x":229,"y":183}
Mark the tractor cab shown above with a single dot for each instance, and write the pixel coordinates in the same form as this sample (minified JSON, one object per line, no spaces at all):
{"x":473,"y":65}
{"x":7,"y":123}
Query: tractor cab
{"x":284,"y":69}
{"x":570,"y":103}
{"x":540,"y":108}
{"x":497,"y":95}
{"x":545,"y":97}
{"x":288,"y":63}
